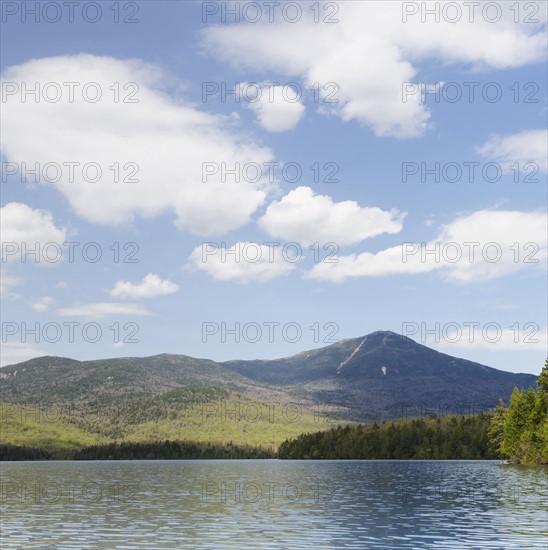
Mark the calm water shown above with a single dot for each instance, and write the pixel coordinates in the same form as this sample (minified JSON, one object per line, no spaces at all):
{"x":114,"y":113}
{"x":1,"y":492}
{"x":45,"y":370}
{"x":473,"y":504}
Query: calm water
{"x":273,"y":504}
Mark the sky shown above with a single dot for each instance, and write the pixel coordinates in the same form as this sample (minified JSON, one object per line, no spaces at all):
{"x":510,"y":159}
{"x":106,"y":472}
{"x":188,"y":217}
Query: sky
{"x":238,"y":180}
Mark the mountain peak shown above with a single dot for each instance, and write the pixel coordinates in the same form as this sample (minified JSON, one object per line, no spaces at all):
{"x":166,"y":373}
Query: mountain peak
{"x":381,"y":373}
{"x":386,"y":338}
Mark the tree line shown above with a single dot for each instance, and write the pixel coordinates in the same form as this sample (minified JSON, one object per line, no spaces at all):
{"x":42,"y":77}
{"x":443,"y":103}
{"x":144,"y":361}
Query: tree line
{"x":170,"y":450}
{"x":153,"y":450}
{"x":15,"y":452}
{"x":451,"y":437}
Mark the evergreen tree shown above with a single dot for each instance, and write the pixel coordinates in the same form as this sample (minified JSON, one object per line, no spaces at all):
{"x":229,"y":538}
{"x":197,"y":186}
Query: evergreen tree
{"x":514,"y":425}
{"x":542,"y":382}
{"x":521,"y":431}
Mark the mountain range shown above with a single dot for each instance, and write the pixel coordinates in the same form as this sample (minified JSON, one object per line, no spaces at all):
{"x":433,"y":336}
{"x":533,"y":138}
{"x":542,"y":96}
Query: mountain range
{"x":381,"y":376}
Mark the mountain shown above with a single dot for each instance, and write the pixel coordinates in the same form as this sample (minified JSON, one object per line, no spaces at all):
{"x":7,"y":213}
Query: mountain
{"x":381,"y":376}
{"x":385,"y":375}
{"x":59,"y":379}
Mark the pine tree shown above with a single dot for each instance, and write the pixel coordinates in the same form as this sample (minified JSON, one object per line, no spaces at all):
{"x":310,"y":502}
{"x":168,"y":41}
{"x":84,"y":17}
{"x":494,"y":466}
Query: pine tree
{"x":542,"y":382}
{"x":521,"y":431}
{"x":514,"y":425}
{"x":495,"y":431}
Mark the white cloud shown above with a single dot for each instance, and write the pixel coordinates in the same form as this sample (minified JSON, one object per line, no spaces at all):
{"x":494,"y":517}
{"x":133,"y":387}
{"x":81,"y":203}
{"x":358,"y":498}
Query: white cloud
{"x":278,"y":108}
{"x":43,"y":305}
{"x":150,"y":287}
{"x":479,"y":43}
{"x":529,"y":336}
{"x":504,"y":228}
{"x":103,"y":309}
{"x":529,"y":146}
{"x":465,"y":251}
{"x":6,"y":282}
{"x":369,"y":53}
{"x":366,"y":264}
{"x":307,"y":218}
{"x":24,"y":229}
{"x":166,"y":139}
{"x":244,"y":262}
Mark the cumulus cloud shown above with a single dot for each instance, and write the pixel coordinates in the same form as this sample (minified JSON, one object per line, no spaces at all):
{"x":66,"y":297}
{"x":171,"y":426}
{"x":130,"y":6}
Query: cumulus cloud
{"x":529,"y":146}
{"x":244,"y":262}
{"x":504,"y":229}
{"x":307,"y":218}
{"x":103,"y":309}
{"x":492,"y":336}
{"x":366,"y":264}
{"x":8,"y":281}
{"x":25,"y":228}
{"x":150,"y":287}
{"x":156,"y":143}
{"x":371,"y":52}
{"x":278,"y":108}
{"x":476,"y":247}
{"x":43,"y":304}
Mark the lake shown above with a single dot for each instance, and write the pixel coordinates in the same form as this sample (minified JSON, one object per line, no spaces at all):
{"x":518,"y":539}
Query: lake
{"x":273,"y":504}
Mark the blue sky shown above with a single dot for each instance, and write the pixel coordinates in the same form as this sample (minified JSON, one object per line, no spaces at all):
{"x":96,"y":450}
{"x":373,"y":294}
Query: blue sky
{"x":175,"y":215}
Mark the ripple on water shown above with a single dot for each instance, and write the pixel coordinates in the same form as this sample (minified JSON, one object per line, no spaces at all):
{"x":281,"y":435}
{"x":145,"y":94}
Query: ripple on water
{"x":273,"y":505}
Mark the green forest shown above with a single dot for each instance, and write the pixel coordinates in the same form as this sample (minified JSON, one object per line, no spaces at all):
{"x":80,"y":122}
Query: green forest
{"x":452,"y":437}
{"x":517,"y":432}
{"x":462,"y":437}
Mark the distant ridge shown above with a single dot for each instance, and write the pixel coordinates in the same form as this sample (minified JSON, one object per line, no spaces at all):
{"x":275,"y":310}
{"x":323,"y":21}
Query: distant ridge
{"x":380,"y":376}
